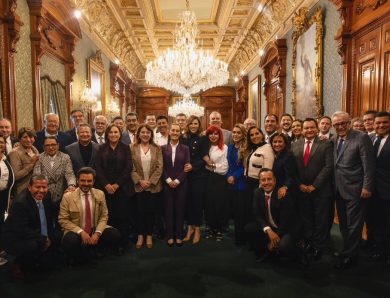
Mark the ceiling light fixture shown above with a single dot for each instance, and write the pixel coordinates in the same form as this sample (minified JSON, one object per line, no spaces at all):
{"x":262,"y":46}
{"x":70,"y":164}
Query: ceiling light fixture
{"x":186,"y":69}
{"x":77,"y":13}
{"x":186,"y":106}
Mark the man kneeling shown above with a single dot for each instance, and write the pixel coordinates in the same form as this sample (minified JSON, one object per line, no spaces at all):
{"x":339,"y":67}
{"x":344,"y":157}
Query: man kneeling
{"x":83,"y":217}
{"x":277,"y":229}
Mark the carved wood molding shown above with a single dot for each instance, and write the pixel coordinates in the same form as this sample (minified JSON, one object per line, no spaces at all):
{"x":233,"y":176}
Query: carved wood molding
{"x":121,"y":86}
{"x":273,"y":63}
{"x":10,"y":25}
{"x":55,"y":32}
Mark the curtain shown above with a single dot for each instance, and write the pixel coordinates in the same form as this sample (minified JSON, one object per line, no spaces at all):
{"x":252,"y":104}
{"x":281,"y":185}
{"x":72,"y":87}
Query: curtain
{"x":45,"y":94}
{"x":59,"y":100}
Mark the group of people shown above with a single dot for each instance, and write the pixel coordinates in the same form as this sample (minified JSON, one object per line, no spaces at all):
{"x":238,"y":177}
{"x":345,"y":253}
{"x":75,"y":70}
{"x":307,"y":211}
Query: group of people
{"x":86,"y":190}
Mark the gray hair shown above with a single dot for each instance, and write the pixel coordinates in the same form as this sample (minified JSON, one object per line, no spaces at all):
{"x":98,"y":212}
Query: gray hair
{"x":50,"y":114}
{"x":341,"y":114}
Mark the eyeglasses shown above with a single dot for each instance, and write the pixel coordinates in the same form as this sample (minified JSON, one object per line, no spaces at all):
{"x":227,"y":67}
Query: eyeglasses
{"x":50,"y":145}
{"x":344,"y":123}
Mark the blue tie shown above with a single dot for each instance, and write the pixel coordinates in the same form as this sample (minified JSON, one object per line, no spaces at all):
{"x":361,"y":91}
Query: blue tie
{"x":42,"y":217}
{"x":340,"y":146}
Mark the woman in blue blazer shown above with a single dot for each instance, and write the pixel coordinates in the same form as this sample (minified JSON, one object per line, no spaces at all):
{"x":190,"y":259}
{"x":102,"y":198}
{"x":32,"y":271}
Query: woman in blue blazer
{"x":175,"y":157}
{"x":241,"y":203}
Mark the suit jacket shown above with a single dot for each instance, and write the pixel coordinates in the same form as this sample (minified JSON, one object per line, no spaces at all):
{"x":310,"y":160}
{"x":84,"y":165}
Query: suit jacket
{"x":382,"y":170}
{"x":73,"y":135}
{"x":72,"y":213}
{"x":22,"y":166}
{"x":319,"y":169}
{"x":227,"y":137}
{"x":73,"y":150}
{"x":60,"y":175}
{"x":282,"y":211}
{"x":354,"y":167}
{"x":123,"y":165}
{"x":236,"y":169}
{"x":156,"y":168}
{"x":23,"y":222}
{"x":284,"y":169}
{"x":176,"y":170}
{"x":62,"y":138}
{"x":126,"y":138}
{"x":94,"y":136}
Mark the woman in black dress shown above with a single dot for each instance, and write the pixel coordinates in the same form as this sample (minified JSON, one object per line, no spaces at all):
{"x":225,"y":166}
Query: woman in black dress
{"x":113,"y":169}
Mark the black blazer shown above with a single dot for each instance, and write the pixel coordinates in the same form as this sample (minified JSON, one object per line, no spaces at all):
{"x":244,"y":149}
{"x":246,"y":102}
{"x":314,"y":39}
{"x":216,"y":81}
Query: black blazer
{"x":382,"y":172}
{"x":23,"y":222}
{"x":123,"y":165}
{"x":199,"y":147}
{"x":319,"y":169}
{"x":62,"y":137}
{"x":284,"y":169}
{"x":73,"y":135}
{"x":282,"y":211}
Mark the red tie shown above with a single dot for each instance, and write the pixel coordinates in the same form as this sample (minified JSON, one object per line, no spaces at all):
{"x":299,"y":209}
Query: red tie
{"x":307,"y":154}
{"x":267,"y":199}
{"x":88,"y":225}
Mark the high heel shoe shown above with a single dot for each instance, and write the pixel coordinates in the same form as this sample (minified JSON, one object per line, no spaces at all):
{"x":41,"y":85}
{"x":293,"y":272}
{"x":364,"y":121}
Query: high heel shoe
{"x":170,"y":242}
{"x":140,"y":242}
{"x":196,"y":236}
{"x":190,"y":232}
{"x":179,"y":242}
{"x":149,"y":241}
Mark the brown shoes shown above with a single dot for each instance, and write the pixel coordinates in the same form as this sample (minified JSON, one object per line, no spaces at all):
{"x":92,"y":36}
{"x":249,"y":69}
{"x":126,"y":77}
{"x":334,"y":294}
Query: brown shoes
{"x":196,"y":236}
{"x":190,"y":232}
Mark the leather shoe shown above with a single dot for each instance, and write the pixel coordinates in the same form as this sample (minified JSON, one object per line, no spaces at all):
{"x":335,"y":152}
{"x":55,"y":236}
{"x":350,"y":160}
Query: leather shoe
{"x":346,"y":263}
{"x":376,"y":256}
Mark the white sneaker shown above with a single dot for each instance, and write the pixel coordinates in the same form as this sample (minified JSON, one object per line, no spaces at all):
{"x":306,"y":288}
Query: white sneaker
{"x":3,"y":261}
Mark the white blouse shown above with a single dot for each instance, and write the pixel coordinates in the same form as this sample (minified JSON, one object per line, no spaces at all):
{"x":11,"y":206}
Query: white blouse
{"x":4,"y":174}
{"x":145,"y":161}
{"x":219,"y":158}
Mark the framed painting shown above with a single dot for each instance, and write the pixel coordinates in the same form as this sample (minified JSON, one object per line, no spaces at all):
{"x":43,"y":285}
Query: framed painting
{"x":307,"y":66}
{"x":97,"y":79}
{"x":254,"y":99}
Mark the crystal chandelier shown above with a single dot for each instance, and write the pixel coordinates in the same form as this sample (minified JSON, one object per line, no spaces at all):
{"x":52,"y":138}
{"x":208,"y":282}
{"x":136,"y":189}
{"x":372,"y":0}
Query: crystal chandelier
{"x":112,"y":109}
{"x":186,"y":106}
{"x":87,"y":99}
{"x":185,"y":69}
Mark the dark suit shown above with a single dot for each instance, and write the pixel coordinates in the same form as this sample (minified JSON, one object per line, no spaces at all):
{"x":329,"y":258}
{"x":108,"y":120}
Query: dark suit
{"x":6,"y":193}
{"x":354,"y":169}
{"x":315,"y":207}
{"x":21,"y":235}
{"x":62,"y":138}
{"x":73,"y":135}
{"x":126,"y":138}
{"x":175,"y":198}
{"x":73,"y":150}
{"x":381,"y":199}
{"x":289,"y":227}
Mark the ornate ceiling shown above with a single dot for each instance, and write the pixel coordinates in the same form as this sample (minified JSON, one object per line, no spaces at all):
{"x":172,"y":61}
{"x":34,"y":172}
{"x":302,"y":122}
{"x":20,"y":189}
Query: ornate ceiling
{"x":136,"y":31}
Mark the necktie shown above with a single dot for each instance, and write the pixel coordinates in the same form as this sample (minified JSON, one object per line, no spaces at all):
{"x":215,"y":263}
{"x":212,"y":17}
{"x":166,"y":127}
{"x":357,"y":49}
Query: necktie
{"x":100,"y":140}
{"x":42,"y":217}
{"x":340,"y":146}
{"x":88,"y":223}
{"x":307,"y":154}
{"x":267,"y":199}
{"x":377,"y":144}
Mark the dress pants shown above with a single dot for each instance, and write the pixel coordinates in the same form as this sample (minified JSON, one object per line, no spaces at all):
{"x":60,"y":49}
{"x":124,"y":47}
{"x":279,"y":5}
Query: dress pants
{"x":175,"y":203}
{"x":147,"y":204}
{"x":258,"y":241}
{"x":195,"y":200}
{"x":351,"y":215}
{"x":381,"y":224}
{"x":216,"y":202}
{"x":72,"y":244}
{"x":3,"y":206}
{"x":242,"y":212}
{"x":119,"y":214}
{"x":314,"y":211}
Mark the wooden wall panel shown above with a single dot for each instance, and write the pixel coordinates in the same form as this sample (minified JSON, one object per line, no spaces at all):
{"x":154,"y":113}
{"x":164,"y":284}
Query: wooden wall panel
{"x":384,"y":95}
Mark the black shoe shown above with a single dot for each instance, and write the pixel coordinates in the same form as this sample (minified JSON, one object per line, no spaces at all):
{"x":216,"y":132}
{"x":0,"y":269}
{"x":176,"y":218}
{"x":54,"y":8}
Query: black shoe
{"x":120,"y":251}
{"x":346,"y":263}
{"x":376,"y":257}
{"x":317,"y":254}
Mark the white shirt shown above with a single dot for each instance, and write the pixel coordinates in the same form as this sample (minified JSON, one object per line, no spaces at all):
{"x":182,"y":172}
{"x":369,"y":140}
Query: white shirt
{"x":219,"y":158}
{"x":131,"y":136}
{"x":50,"y":135}
{"x":174,"y":147}
{"x":383,"y":141}
{"x":306,"y":144}
{"x":145,"y":161}
{"x":270,"y":219}
{"x":98,"y":138}
{"x":4,"y":174}
{"x":289,"y":133}
{"x":9,"y":145}
{"x":52,"y":158}
{"x":268,"y":137}
{"x":160,"y":139}
{"x":326,"y":134}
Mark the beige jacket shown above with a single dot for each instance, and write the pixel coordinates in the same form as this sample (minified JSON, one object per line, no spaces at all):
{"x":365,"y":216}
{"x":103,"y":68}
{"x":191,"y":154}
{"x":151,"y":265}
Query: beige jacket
{"x":22,"y":166}
{"x":156,"y":168}
{"x":71,"y":211}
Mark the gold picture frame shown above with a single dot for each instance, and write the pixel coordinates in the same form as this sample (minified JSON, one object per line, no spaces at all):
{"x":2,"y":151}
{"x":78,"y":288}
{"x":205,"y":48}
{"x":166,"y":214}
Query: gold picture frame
{"x":254,"y":106}
{"x":307,"y":66}
{"x":97,"y":78}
